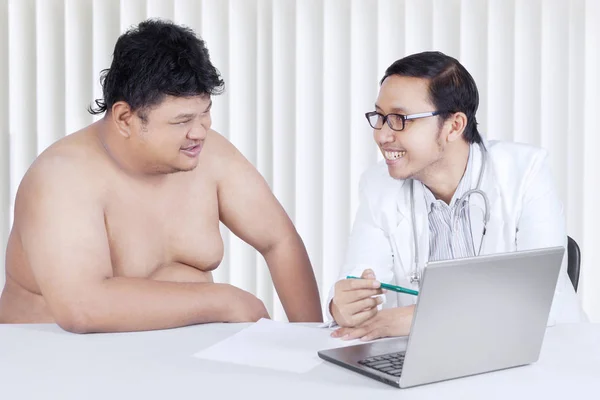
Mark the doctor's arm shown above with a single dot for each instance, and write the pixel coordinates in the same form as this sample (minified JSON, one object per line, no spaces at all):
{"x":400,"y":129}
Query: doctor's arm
{"x":368,"y":256}
{"x":542,"y":224}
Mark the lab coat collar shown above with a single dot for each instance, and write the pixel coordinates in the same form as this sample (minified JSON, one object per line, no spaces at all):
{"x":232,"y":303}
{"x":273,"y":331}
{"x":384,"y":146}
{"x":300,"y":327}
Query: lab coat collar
{"x":401,"y":235}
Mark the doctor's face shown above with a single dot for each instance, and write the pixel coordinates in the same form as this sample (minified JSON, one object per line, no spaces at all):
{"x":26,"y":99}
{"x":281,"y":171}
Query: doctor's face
{"x":411,"y":152}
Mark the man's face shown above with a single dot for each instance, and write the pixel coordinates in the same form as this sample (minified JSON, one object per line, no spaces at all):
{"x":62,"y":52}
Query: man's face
{"x":171,"y":135}
{"x":408,"y":153}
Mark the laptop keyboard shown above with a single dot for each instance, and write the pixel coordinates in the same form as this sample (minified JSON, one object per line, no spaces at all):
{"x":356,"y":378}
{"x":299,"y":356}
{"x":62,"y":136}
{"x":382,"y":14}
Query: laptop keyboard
{"x":389,"y":363}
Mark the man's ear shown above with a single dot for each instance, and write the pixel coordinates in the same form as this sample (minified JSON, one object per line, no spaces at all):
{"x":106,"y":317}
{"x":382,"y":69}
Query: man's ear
{"x":456,"y":126}
{"x":122,"y":116}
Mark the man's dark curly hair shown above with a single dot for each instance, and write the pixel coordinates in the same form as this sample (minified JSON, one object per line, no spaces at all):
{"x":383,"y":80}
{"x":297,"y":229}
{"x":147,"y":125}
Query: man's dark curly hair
{"x":155,"y":59}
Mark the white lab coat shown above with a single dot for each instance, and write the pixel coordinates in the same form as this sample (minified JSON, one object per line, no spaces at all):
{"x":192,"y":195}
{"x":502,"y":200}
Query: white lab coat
{"x":525,"y":213}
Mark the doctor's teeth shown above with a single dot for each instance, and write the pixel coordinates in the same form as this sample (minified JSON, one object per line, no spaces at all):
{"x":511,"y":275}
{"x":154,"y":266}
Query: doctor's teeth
{"x":394,"y":155}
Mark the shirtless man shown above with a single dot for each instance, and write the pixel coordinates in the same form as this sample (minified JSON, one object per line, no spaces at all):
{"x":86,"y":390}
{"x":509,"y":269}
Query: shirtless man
{"x":116,"y":226}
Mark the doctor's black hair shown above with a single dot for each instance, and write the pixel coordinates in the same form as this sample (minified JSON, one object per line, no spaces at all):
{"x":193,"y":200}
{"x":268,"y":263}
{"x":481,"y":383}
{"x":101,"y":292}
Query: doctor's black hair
{"x":451,"y":87}
{"x":155,"y":59}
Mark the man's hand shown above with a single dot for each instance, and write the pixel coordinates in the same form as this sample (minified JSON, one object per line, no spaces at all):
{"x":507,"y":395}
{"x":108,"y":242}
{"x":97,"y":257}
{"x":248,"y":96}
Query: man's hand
{"x":388,"y":322}
{"x":245,"y":307}
{"x":353,"y":301}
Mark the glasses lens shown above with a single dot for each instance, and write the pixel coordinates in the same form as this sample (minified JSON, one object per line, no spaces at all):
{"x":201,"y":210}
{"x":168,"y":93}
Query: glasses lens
{"x":375,"y":120}
{"x":396,"y":121}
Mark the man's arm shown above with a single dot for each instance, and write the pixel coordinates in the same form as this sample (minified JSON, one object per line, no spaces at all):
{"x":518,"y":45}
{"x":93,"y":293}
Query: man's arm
{"x":61,"y":225}
{"x":542,"y":224}
{"x":250,"y":210}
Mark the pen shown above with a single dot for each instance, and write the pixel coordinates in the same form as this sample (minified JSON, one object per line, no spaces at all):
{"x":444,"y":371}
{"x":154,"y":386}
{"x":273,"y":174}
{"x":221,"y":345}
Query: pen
{"x":392,"y":287}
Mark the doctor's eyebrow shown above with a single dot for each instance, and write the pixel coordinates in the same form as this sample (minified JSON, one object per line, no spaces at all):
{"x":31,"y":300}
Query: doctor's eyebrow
{"x":399,"y":110}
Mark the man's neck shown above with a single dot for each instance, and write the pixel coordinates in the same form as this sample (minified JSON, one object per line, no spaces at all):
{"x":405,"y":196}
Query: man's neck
{"x":117,"y":150}
{"x":443,"y":177}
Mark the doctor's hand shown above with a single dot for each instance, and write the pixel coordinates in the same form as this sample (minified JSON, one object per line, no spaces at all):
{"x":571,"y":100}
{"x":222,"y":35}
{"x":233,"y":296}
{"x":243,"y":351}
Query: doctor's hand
{"x":387,"y":322}
{"x":353,"y":301}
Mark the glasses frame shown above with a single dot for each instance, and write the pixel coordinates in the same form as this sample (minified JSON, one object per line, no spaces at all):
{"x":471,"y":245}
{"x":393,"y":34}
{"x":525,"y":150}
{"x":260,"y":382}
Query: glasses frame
{"x":403,"y":117}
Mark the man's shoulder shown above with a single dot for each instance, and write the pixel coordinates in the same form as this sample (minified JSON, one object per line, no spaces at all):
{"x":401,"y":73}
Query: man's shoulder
{"x":68,"y":164}
{"x":219,"y":146}
{"x":222,"y":158}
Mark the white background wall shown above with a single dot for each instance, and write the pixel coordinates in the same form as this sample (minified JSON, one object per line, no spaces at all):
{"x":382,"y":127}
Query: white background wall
{"x":299,"y":77}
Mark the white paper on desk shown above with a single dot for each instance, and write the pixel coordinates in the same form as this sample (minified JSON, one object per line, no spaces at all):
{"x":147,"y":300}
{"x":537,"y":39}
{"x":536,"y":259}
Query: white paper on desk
{"x":275,"y":345}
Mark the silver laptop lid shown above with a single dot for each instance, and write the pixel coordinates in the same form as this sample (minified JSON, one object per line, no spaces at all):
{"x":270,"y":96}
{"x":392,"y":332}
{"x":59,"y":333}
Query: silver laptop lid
{"x":481,"y":314}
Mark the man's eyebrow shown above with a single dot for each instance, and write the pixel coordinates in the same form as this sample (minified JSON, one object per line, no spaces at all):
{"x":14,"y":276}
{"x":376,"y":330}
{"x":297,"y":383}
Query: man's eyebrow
{"x":184,"y":116}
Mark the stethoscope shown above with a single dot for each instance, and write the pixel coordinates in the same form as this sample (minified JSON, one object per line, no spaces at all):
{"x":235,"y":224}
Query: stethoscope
{"x":462,"y":202}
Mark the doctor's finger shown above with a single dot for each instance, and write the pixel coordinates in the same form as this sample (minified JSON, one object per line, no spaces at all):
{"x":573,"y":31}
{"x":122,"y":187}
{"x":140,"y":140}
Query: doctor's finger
{"x":368,"y":274}
{"x":375,"y":333}
{"x":364,"y":304}
{"x":359,"y":319}
{"x":356,"y":333}
{"x":356,"y":284}
{"x":349,"y":332}
{"x":356,"y":295}
{"x":355,"y":321}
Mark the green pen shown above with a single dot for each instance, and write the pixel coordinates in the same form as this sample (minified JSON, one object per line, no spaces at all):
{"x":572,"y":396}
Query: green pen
{"x":394,"y":288}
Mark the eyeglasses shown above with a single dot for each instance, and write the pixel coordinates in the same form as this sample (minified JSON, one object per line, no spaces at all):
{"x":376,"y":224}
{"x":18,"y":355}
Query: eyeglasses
{"x":395,"y":121}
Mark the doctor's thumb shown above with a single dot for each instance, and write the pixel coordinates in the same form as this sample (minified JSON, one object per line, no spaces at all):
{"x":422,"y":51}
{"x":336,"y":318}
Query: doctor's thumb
{"x":368,"y":274}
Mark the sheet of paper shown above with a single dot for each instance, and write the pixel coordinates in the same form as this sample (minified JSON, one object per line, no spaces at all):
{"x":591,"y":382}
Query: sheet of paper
{"x":275,"y":345}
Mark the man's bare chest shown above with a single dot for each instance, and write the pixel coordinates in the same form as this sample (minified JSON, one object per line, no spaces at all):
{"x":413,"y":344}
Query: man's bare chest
{"x":148,"y":232}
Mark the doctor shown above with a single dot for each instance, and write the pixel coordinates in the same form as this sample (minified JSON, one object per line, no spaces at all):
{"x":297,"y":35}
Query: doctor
{"x":441,"y":193}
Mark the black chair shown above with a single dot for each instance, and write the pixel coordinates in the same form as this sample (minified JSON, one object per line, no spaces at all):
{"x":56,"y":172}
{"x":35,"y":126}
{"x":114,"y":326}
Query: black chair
{"x":574,"y":261}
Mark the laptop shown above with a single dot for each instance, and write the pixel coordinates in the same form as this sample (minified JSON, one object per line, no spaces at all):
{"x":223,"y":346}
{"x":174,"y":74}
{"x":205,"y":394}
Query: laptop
{"x":473,"y":315}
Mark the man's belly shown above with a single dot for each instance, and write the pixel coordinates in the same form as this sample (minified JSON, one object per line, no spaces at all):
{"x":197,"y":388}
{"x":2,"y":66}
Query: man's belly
{"x":177,"y":272}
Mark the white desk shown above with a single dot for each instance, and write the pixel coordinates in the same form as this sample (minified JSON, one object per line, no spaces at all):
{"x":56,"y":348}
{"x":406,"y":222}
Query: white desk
{"x":45,"y":362}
